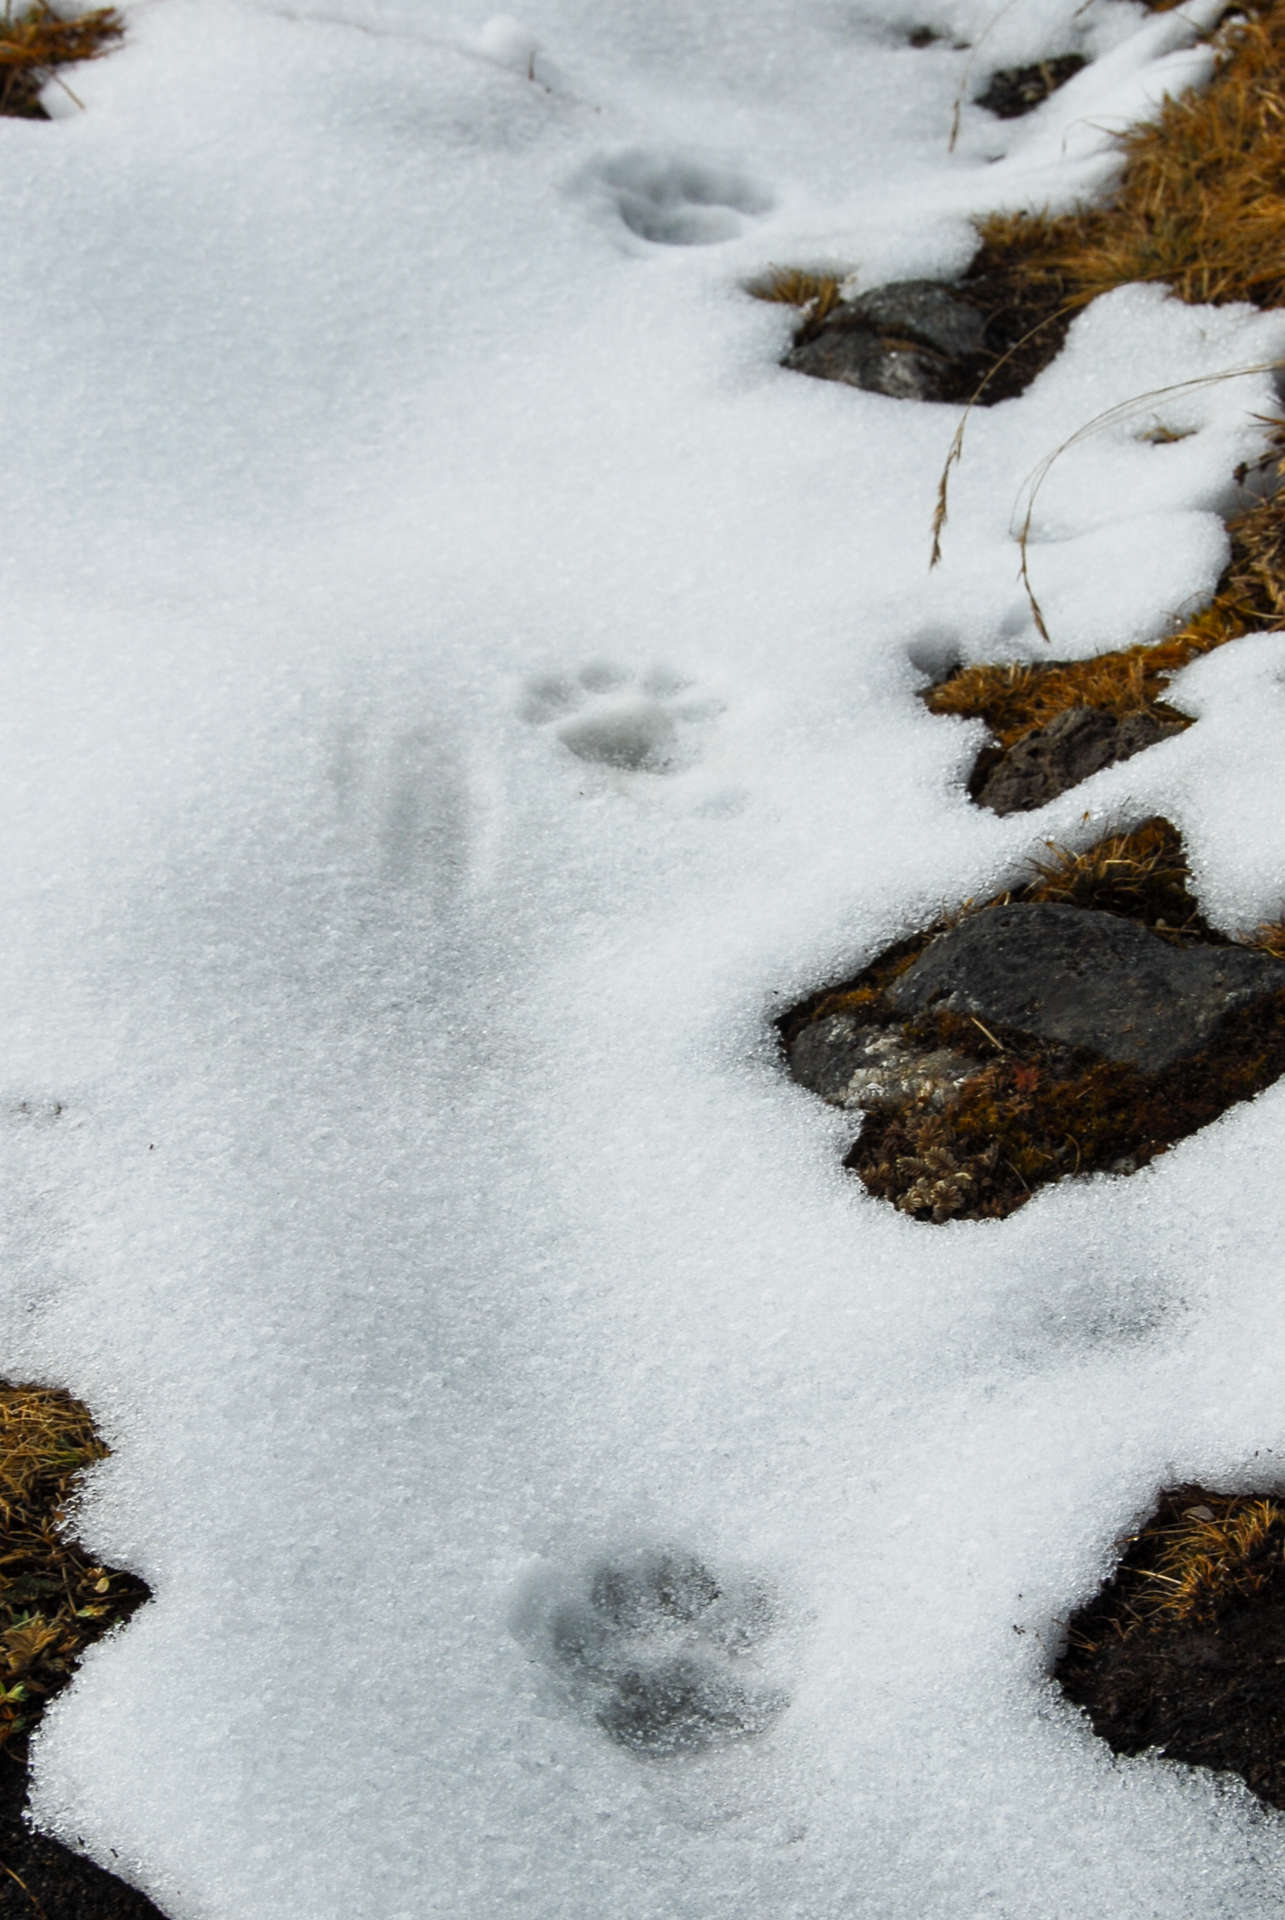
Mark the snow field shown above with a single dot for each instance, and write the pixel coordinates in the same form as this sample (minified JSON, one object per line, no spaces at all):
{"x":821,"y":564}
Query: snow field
{"x":457,"y":689}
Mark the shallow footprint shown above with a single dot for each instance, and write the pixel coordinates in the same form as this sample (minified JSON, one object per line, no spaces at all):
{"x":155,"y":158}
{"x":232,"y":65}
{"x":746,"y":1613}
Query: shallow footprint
{"x":680,"y":199}
{"x":659,"y":1651}
{"x":604,"y":715}
{"x":402,"y":797}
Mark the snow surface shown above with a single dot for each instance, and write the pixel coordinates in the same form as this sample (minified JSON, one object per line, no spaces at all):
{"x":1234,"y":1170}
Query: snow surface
{"x":457,"y":687}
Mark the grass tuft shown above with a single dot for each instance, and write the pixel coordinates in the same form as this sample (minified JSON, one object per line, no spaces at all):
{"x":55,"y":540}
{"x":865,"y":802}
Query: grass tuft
{"x":1198,"y":1555}
{"x":1198,"y":209}
{"x":1017,"y":700}
{"x":1198,"y":206}
{"x":54,"y":1599}
{"x":1209,"y":1558}
{"x":1140,"y":875}
{"x":1178,"y":1653}
{"x":37,"y":42}
{"x":798,"y":287}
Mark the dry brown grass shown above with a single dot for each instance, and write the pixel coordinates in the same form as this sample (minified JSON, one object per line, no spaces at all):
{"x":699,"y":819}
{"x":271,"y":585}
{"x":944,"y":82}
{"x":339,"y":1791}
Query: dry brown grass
{"x":1199,"y":205}
{"x":38,"y":42}
{"x":1198,"y":1554}
{"x":54,"y":1599}
{"x":1201,"y":208}
{"x":1140,"y":875}
{"x":1016,"y":700}
{"x":1209,"y":1557}
{"x":798,"y":287}
{"x":1198,"y":208}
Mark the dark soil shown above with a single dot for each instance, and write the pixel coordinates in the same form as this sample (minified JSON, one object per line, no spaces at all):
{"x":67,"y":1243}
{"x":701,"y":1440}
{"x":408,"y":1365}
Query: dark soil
{"x":1025,"y":326}
{"x":55,"y":1600}
{"x":1204,"y":1682}
{"x":1014,"y":91}
{"x":42,"y":1878}
{"x":20,"y":99}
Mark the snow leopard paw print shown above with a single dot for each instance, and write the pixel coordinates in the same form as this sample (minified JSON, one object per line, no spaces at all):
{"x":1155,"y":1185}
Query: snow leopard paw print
{"x":651,"y":723}
{"x":663,"y":1654}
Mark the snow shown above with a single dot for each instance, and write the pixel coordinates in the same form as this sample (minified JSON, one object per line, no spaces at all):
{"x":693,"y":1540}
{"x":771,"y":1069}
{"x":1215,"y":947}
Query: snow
{"x":457,"y":688}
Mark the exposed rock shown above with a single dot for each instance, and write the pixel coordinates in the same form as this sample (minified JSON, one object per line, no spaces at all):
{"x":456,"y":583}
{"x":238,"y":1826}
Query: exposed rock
{"x":856,"y":356}
{"x":1014,"y":91}
{"x":851,"y":1063}
{"x":923,"y":310}
{"x":1078,"y":978}
{"x":1080,"y":742}
{"x":912,"y":340}
{"x":1040,"y":1040}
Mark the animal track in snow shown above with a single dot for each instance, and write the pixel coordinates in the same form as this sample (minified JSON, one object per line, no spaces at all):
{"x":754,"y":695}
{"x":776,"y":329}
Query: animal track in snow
{"x":681,"y":199}
{"x":660,"y":1652}
{"x":34,"y":1111}
{"x":401,"y":792}
{"x":605,"y":715}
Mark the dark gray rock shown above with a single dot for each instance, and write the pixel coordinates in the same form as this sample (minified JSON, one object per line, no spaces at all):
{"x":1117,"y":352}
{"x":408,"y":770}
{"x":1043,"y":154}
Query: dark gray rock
{"x":1076,"y":978}
{"x":855,"y":356}
{"x":851,"y":1063}
{"x":912,"y":340}
{"x":1077,"y":744}
{"x":925,"y":311}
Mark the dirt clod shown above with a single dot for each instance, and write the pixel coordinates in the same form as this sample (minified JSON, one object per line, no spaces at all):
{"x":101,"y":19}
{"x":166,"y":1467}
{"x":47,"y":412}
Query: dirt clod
{"x":54,"y":1600}
{"x":1014,"y":91}
{"x":1184,"y":1647}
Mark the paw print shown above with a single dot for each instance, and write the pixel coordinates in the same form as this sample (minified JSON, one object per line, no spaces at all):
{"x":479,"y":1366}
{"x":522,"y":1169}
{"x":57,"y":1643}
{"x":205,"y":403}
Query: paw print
{"x":605,"y":715}
{"x":679,"y":199}
{"x":661,"y":1653}
{"x":34,"y":1111}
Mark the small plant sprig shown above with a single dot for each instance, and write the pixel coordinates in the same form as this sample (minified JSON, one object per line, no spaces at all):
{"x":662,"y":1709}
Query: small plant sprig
{"x":36,"y":43}
{"x":54,"y":1598}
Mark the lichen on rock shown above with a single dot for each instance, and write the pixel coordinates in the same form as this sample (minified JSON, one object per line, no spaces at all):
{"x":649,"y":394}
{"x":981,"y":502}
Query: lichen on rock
{"x":1069,"y":1028}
